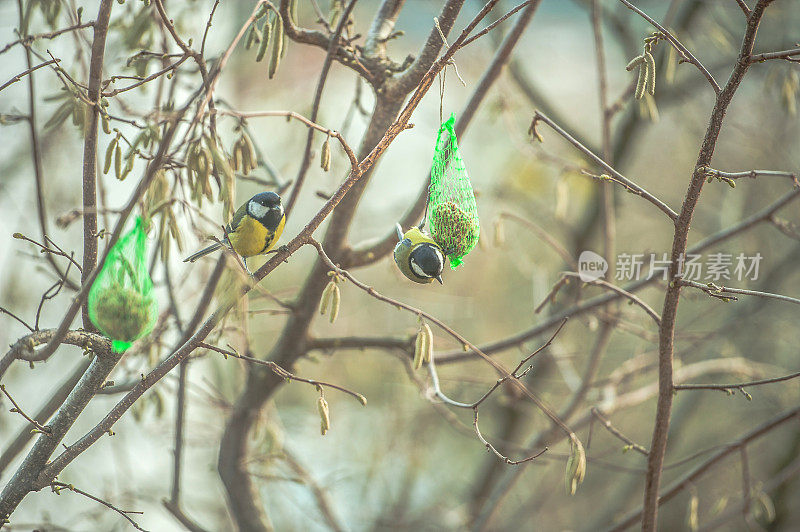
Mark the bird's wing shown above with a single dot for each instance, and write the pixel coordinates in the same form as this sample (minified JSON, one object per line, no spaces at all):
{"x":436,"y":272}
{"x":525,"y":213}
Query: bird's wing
{"x":238,"y":216}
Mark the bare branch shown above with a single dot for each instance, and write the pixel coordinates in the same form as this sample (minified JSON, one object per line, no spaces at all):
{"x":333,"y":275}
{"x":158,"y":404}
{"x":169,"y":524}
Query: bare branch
{"x":783,"y":54}
{"x":311,"y":124}
{"x":17,"y":445}
{"x":326,"y":67}
{"x":685,"y":53}
{"x":744,"y":8}
{"x":430,"y":50}
{"x":59,"y":486}
{"x":607,"y":424}
{"x":736,"y":385}
{"x":381,"y":28}
{"x":605,"y":284}
{"x":752,"y":174}
{"x":490,"y":447}
{"x":17,"y":409}
{"x":280,"y":372}
{"x":658,"y":444}
{"x":630,"y":185}
{"x":89,"y":173}
{"x":21,"y":75}
{"x":723,"y":292}
{"x":29,"y":39}
{"x":497,"y":22}
{"x":692,"y":476}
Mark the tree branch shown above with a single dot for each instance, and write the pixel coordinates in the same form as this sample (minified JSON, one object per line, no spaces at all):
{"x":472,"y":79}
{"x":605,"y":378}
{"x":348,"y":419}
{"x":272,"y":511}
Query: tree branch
{"x":736,"y":385}
{"x":783,"y":54}
{"x":90,"y":235}
{"x":669,"y":314}
{"x":21,"y":75}
{"x":412,"y":77}
{"x":692,"y":476}
{"x":678,"y":45}
{"x":326,"y":67}
{"x":630,"y":185}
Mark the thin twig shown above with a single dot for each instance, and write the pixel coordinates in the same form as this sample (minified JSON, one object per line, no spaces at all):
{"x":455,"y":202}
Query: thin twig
{"x":48,"y":294}
{"x":323,"y":77}
{"x":723,"y":292}
{"x":28,"y":39}
{"x":607,"y":424}
{"x":36,"y":148}
{"x":678,"y":45}
{"x":494,"y":24}
{"x":208,"y":28}
{"x":45,"y":249}
{"x":280,"y":372}
{"x":21,"y":75}
{"x":18,"y":410}
{"x":58,"y":486}
{"x":544,"y":236}
{"x":752,"y":174}
{"x":539,"y":116}
{"x":6,"y":311}
{"x":605,"y":284}
{"x":516,"y":374}
{"x":311,"y":124}
{"x":736,"y":385}
{"x":783,"y":54}
{"x":490,"y":447}
{"x":151,"y":77}
{"x":679,"y":485}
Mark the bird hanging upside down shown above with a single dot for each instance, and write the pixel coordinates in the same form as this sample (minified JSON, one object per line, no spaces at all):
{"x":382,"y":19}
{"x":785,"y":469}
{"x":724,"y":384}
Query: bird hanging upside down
{"x":255,"y":228}
{"x":418,"y":256}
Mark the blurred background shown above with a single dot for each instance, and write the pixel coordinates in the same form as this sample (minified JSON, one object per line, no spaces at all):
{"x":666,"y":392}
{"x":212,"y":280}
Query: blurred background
{"x":405,"y":461}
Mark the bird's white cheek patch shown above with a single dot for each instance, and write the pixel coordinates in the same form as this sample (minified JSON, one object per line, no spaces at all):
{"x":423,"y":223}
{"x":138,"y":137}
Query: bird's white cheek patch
{"x":415,"y":267}
{"x":257,"y":210}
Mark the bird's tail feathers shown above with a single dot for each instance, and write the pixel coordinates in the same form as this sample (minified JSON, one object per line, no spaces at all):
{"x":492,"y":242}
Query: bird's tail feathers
{"x":203,"y":252}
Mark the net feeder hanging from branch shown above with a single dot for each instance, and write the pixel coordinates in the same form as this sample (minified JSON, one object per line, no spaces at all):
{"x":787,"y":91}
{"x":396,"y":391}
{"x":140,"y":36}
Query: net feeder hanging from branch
{"x":121,"y":302}
{"x":452,"y":211}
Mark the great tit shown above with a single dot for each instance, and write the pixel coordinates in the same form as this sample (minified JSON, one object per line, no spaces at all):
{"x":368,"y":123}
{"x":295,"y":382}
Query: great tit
{"x":255,"y":228}
{"x":418,"y":256}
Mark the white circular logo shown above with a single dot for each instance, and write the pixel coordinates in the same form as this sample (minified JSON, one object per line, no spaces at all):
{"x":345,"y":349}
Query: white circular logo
{"x":591,"y":266}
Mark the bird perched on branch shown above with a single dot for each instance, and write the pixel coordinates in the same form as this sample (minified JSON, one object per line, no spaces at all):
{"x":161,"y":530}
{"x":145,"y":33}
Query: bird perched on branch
{"x":418,"y":256}
{"x":255,"y":228}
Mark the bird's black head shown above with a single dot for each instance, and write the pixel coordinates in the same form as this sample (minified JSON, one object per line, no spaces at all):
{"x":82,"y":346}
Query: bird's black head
{"x":426,"y":260}
{"x":266,"y":207}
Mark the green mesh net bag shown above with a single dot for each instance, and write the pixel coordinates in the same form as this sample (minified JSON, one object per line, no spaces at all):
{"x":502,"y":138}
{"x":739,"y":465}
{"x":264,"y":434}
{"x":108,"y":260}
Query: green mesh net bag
{"x":452,"y":212}
{"x":121,"y":301}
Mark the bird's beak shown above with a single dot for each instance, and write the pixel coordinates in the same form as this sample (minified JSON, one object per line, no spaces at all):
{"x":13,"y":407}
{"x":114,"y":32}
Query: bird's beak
{"x":439,"y":278}
{"x":399,"y":231}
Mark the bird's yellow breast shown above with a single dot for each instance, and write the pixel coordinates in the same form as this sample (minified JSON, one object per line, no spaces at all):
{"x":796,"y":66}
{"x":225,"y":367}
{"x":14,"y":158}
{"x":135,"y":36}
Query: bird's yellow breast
{"x":250,"y":237}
